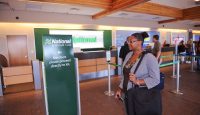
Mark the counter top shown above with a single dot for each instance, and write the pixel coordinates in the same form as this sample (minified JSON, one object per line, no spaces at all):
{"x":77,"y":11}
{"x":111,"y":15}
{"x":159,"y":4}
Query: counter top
{"x":166,"y":49}
{"x":93,"y":54}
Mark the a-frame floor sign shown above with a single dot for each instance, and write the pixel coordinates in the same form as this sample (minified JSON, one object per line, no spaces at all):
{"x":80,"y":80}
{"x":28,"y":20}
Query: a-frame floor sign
{"x":60,"y":76}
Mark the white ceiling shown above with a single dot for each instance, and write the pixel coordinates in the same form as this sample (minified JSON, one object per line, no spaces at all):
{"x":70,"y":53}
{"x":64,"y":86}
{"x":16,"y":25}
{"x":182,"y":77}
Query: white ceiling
{"x":24,"y":5}
{"x":138,"y":16}
{"x":182,"y":4}
{"x":50,"y":7}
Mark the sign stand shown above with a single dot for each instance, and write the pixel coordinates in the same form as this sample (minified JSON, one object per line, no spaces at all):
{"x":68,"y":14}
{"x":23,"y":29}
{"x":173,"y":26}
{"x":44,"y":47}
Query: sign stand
{"x":108,"y":58}
{"x":177,"y":91}
{"x":193,"y":58}
{"x":174,"y":67}
{"x":60,"y":76}
{"x":175,"y":59}
{"x":78,"y":87}
{"x":36,"y":74}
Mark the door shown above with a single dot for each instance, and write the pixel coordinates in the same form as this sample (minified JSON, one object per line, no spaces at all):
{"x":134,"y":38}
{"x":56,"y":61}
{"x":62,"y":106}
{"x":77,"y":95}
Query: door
{"x":17,"y":50}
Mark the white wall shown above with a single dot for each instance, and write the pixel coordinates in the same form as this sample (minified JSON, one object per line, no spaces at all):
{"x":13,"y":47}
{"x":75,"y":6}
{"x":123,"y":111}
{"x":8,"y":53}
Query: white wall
{"x":17,"y":29}
{"x":33,"y":20}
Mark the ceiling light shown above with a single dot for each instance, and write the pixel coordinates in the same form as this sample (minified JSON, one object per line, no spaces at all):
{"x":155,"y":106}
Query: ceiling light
{"x":172,"y":30}
{"x":74,"y":9}
{"x":123,"y":14}
{"x":195,"y":31}
{"x":133,"y":28}
{"x":155,"y":18}
{"x":137,"y":16}
{"x":33,"y":6}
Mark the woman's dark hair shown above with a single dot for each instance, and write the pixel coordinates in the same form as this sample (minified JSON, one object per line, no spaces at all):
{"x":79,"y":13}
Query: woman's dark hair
{"x":156,"y":37}
{"x":144,"y":35}
{"x":138,"y":36}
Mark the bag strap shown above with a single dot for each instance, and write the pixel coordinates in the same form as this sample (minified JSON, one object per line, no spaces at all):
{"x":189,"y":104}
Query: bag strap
{"x":137,"y":66}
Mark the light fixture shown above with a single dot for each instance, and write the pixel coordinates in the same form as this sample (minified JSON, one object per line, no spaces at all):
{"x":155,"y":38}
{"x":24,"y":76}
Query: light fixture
{"x":123,"y":14}
{"x":132,"y":28}
{"x":74,"y":9}
{"x":172,"y":30}
{"x":155,"y":18}
{"x":196,"y":31}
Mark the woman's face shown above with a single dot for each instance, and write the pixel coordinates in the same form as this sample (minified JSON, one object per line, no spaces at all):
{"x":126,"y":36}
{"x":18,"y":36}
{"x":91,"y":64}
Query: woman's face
{"x":132,"y":43}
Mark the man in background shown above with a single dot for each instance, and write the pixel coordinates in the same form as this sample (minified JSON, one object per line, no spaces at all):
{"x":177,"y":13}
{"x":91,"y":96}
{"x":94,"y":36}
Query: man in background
{"x":157,"y":48}
{"x":198,"y":54}
{"x":124,"y":50}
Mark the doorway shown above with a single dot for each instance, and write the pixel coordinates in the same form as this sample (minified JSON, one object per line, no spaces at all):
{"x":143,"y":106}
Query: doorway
{"x":17,"y":50}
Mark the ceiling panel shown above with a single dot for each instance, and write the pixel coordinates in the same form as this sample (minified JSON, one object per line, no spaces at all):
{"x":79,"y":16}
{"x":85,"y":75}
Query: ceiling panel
{"x":138,"y":16}
{"x":182,"y":4}
{"x":26,"y":5}
{"x":53,"y":7}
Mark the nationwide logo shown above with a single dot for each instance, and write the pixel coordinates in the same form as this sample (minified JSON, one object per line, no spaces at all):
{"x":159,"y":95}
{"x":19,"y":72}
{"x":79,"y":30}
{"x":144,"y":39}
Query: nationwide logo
{"x":57,"y":41}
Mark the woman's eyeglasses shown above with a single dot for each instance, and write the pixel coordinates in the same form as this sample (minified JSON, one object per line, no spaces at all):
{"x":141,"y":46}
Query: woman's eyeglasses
{"x":131,"y":42}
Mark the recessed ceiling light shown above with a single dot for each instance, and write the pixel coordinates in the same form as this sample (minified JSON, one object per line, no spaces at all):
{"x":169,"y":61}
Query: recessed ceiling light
{"x":155,"y":18}
{"x":137,"y":16}
{"x":123,"y":14}
{"x":196,"y":0}
{"x":33,"y":6}
{"x":74,"y":9}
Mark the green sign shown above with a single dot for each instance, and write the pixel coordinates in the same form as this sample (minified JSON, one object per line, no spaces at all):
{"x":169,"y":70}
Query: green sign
{"x":84,"y":39}
{"x":61,"y":88}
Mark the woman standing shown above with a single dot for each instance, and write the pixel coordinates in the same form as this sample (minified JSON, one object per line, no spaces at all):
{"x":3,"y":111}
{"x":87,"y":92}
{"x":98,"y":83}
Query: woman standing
{"x":141,"y":98}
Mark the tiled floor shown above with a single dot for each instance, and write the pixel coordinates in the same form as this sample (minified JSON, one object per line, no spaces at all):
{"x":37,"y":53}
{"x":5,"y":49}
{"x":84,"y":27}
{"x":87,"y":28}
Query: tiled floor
{"x":94,"y":102}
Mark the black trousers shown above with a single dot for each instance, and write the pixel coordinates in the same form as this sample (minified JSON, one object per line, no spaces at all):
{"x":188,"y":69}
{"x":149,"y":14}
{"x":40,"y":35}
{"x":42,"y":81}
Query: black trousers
{"x":143,"y":101}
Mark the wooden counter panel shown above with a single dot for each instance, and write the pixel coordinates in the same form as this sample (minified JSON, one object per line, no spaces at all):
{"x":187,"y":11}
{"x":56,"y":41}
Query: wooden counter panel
{"x":18,"y":79}
{"x":88,"y":69}
{"x":167,"y":54}
{"x":18,"y":70}
{"x":104,"y":67}
{"x":103,"y":60}
{"x":87,"y":62}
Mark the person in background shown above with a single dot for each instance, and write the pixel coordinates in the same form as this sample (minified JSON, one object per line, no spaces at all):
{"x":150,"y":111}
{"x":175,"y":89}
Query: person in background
{"x":198,"y":54}
{"x":140,"y":96}
{"x":164,"y":43}
{"x":124,"y":50}
{"x":145,"y":35}
{"x":157,"y":48}
{"x":189,"y":50}
{"x":181,"y":50}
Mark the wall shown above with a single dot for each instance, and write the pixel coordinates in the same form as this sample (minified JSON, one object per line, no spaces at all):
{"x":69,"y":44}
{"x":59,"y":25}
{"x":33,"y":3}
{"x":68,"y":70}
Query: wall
{"x":167,"y":35}
{"x":33,"y":20}
{"x":28,"y":29}
{"x":16,"y":29}
{"x":3,"y":45}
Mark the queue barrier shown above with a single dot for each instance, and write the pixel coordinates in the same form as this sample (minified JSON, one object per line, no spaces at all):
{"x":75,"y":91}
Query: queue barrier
{"x":109,"y":92}
{"x":193,"y":59}
{"x":175,"y":62}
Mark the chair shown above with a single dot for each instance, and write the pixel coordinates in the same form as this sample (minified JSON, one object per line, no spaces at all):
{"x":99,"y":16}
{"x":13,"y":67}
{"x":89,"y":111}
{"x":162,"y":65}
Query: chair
{"x":3,"y":63}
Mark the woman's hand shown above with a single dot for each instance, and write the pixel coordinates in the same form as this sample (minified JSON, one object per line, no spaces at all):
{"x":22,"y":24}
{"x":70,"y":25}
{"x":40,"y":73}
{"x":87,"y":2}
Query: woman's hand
{"x":118,"y":94}
{"x":132,"y":78}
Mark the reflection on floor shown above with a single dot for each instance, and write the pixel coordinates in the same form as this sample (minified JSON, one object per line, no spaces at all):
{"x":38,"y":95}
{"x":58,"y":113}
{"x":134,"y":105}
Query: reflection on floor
{"x":94,"y":102}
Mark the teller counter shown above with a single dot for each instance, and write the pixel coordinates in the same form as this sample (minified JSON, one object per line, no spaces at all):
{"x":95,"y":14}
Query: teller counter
{"x":168,"y":52}
{"x":94,"y":65}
